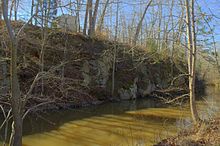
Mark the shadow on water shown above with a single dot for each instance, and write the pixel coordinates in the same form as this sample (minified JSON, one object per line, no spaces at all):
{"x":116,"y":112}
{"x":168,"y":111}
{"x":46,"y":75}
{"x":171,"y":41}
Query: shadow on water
{"x":140,"y":122}
{"x":52,"y":120}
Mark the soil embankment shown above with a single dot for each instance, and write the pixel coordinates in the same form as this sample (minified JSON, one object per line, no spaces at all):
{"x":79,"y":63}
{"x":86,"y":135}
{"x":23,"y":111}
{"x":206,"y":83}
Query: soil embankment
{"x":68,"y":69}
{"x":204,"y":134}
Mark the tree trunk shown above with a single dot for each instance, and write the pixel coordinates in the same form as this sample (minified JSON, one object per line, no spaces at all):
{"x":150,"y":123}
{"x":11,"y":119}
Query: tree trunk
{"x":32,"y":11}
{"x":16,"y":9}
{"x":86,"y":18}
{"x":115,"y":50}
{"x":101,"y":20}
{"x":47,"y":13}
{"x":192,"y":57}
{"x":90,"y":18}
{"x":15,"y":89}
{"x":11,"y":9}
{"x":160,"y":17}
{"x":36,"y":12}
{"x":166,"y":25}
{"x":94,"y":17}
{"x":0,"y":9}
{"x":77,"y":14}
{"x":140,"y":23}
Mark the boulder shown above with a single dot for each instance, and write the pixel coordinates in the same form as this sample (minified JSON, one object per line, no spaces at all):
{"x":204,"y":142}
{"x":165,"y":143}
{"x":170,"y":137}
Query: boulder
{"x":130,"y":93}
{"x":147,"y":90}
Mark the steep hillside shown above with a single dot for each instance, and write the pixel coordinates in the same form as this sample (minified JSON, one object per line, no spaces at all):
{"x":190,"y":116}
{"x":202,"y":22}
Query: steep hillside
{"x":70,"y":69}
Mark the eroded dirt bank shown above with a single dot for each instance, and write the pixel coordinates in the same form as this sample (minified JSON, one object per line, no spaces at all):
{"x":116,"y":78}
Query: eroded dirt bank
{"x":67,"y":69}
{"x":204,"y":134}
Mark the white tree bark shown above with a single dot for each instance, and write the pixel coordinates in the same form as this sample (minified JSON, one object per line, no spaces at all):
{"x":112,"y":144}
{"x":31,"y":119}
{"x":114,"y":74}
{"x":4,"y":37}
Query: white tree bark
{"x":191,"y":57}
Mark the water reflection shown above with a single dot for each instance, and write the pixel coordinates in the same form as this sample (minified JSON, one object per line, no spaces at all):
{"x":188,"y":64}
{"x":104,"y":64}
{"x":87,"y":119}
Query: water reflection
{"x":104,"y":130}
{"x":126,"y":123}
{"x":115,"y":124}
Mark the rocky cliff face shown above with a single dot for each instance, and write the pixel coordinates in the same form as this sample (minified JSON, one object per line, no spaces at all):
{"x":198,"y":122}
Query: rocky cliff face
{"x":79,"y":69}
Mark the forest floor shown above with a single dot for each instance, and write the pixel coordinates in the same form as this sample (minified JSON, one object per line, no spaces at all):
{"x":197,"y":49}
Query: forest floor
{"x":203,"y":134}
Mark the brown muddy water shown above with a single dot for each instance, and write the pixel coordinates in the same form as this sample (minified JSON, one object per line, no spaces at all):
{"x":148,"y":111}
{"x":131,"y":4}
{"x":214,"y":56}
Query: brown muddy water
{"x":128,"y":123}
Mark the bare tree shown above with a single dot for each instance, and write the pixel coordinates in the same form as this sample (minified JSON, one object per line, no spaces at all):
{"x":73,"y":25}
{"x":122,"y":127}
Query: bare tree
{"x":86,"y":17}
{"x":78,"y":7}
{"x":190,"y":20}
{"x":160,"y":18}
{"x":101,"y":20}
{"x":11,"y":8}
{"x":140,"y":23}
{"x":16,"y":9}
{"x":115,"y":49}
{"x":32,"y":10}
{"x":90,"y":17}
{"x":0,"y":9}
{"x":94,"y":17}
{"x":37,"y":11}
{"x":15,"y":89}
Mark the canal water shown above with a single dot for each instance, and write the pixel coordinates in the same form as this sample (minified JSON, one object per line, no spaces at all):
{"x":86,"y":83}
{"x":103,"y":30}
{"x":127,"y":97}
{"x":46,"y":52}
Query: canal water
{"x":129,"y":123}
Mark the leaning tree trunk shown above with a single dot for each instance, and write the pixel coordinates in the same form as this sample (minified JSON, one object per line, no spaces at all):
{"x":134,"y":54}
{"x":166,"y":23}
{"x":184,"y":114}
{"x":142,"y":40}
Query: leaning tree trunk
{"x":101,"y":20}
{"x":140,"y":23}
{"x":192,"y":57}
{"x":94,"y":17}
{"x":15,"y":89}
{"x":32,"y":11}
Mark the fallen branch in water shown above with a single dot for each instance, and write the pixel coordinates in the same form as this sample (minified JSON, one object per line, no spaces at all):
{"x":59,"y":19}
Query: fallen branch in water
{"x":169,"y":96}
{"x":30,"y":109}
{"x":177,"y":98}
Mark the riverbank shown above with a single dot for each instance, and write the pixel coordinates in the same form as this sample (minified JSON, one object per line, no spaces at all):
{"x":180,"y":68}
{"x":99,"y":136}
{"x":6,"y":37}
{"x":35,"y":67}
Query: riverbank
{"x":136,"y":122}
{"x":204,"y":134}
{"x":62,"y":70}
{"x":207,"y":132}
